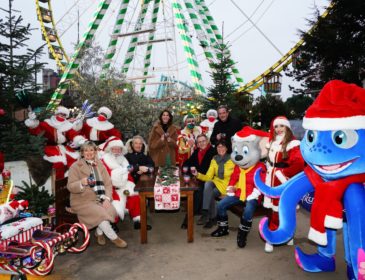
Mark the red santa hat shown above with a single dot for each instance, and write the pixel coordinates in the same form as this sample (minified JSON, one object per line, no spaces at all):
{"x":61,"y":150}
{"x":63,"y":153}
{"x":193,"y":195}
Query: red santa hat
{"x":339,"y":105}
{"x":249,"y":134}
{"x":62,"y":110}
{"x":106,"y":111}
{"x":279,"y":120}
{"x":112,"y":142}
{"x":212,"y":113}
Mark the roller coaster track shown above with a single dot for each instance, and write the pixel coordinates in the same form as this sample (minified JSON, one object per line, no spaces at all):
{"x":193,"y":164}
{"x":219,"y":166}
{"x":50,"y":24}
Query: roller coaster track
{"x":283,"y":62}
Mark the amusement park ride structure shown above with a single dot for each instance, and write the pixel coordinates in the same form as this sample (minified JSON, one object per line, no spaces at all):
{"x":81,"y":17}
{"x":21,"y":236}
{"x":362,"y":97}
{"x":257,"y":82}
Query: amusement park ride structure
{"x":143,"y":35}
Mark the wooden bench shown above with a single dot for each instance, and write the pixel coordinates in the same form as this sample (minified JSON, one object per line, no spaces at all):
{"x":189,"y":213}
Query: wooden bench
{"x":62,"y":200}
{"x":238,"y":209}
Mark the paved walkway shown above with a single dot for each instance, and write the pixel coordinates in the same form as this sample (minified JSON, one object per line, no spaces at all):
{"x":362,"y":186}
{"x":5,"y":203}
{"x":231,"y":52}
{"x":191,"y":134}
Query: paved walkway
{"x":168,"y":256}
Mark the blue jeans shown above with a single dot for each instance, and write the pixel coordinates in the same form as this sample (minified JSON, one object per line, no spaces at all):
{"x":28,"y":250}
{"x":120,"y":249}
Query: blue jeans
{"x":210,"y":193}
{"x":229,"y":201}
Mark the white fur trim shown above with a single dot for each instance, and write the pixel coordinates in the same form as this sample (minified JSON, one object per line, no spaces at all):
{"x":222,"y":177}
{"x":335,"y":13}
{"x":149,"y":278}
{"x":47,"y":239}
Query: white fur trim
{"x":98,"y":125}
{"x":73,"y":154}
{"x":63,"y":110}
{"x":325,"y":124}
{"x":31,"y":123}
{"x":212,"y":112}
{"x":129,"y":149}
{"x":60,"y":126}
{"x":292,"y":144}
{"x":137,"y":219}
{"x":244,"y":139}
{"x":275,"y":208}
{"x":267,"y":202}
{"x":78,"y":141}
{"x":119,"y":206}
{"x":318,"y":237}
{"x":333,"y":222}
{"x":106,"y":111}
{"x":55,"y":159}
{"x":281,"y":121}
{"x":280,"y":175}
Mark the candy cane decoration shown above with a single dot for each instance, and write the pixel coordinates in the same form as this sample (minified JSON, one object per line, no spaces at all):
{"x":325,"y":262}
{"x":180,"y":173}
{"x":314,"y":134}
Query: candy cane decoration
{"x":133,"y":43}
{"x":114,"y":39}
{"x":188,"y":49}
{"x":73,"y":65}
{"x":218,"y":36}
{"x":147,"y":58}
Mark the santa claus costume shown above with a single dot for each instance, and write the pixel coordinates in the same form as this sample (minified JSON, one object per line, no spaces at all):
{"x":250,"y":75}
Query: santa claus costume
{"x":124,"y":197}
{"x":208,"y":124}
{"x":284,"y":160}
{"x":186,"y":138}
{"x":99,"y":129}
{"x":59,"y":133}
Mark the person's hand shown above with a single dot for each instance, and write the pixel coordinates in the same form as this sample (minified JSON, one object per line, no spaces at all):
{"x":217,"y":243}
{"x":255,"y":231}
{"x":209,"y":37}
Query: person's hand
{"x":84,"y":182}
{"x":231,"y":189}
{"x":193,"y":171}
{"x":169,"y":139}
{"x":143,"y":169}
{"x":219,"y":136}
{"x":106,"y":204}
{"x":162,"y":137}
{"x":191,"y":142}
{"x":32,"y":115}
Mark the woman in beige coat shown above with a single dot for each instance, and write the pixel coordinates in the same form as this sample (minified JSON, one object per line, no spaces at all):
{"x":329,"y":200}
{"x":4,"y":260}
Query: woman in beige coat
{"x":91,"y":191}
{"x":162,"y":140}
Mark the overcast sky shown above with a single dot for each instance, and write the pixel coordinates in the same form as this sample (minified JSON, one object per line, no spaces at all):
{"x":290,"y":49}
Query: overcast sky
{"x":277,"y":20}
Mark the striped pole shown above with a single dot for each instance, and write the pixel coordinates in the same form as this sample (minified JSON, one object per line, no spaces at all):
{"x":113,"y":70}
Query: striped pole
{"x":218,"y":36}
{"x":199,"y":30}
{"x":114,"y":39}
{"x":133,"y":43}
{"x":188,"y":49}
{"x":147,"y":58}
{"x":73,"y":65}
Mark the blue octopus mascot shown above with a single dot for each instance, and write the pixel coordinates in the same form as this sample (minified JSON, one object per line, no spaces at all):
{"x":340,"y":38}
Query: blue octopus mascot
{"x":334,"y":149}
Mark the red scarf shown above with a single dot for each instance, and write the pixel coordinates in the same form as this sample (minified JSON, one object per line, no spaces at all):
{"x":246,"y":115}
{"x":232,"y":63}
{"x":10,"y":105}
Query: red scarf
{"x":201,"y":154}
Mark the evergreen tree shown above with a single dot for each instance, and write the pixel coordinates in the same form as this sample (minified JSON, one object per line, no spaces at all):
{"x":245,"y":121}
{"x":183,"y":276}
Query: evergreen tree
{"x":17,"y":67}
{"x":222,"y":89}
{"x":266,"y":108}
{"x":335,"y":48}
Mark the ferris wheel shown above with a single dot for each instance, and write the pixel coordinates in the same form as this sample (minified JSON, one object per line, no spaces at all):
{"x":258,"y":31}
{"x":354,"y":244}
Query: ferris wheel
{"x":146,"y":25}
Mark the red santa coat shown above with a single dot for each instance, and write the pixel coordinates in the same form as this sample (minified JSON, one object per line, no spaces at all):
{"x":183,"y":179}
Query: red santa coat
{"x":122,"y":181}
{"x":58,"y":134}
{"x":249,"y":180}
{"x":99,"y":131}
{"x":207,"y":127}
{"x":279,"y":170}
{"x":183,"y":147}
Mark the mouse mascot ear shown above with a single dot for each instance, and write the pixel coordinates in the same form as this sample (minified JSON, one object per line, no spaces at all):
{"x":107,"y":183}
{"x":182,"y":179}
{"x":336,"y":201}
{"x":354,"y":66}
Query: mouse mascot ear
{"x":248,"y":134}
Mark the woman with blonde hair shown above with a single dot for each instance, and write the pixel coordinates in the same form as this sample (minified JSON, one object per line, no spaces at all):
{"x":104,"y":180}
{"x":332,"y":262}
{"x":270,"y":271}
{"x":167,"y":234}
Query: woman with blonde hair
{"x":91,"y":195}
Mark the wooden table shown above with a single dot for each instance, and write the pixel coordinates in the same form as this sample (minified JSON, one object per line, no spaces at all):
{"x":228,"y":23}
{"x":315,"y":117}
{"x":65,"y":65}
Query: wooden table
{"x":145,"y":187}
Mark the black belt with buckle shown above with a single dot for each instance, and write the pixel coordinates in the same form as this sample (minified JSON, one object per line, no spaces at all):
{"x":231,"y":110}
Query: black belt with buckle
{"x":278,"y":164}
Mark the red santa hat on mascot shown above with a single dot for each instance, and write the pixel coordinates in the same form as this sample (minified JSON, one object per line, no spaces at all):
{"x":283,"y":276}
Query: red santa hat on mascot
{"x":338,"y":106}
{"x":62,"y":110}
{"x":249,"y":134}
{"x":105,"y":111}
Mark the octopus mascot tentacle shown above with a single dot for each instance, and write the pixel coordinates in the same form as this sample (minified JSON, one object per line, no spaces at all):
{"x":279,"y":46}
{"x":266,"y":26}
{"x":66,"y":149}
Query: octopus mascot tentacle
{"x":334,"y":150}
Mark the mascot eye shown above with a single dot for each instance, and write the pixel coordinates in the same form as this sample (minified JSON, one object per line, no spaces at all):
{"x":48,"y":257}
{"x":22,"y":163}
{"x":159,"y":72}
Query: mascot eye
{"x":311,"y":136}
{"x":245,"y":150}
{"x":345,"y":138}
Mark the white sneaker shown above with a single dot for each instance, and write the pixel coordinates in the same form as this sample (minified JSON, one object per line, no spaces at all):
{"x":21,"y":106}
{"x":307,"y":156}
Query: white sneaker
{"x":291,"y":242}
{"x":269,"y":248}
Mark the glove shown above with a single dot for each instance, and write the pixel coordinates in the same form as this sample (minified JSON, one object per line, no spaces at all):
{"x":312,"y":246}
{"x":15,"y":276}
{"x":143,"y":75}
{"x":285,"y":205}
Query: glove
{"x":32,"y":115}
{"x":254,"y":195}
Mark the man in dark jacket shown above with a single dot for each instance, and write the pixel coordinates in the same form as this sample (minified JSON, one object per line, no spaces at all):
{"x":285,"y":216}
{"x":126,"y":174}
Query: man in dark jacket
{"x":200,"y":160}
{"x":225,"y":127}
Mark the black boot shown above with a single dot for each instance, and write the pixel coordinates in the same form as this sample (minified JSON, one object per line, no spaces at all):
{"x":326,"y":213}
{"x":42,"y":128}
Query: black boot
{"x":222,"y":229}
{"x":204,"y":218}
{"x":137,"y":225}
{"x":184,"y":224}
{"x":114,"y":227}
{"x":243,"y":230}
